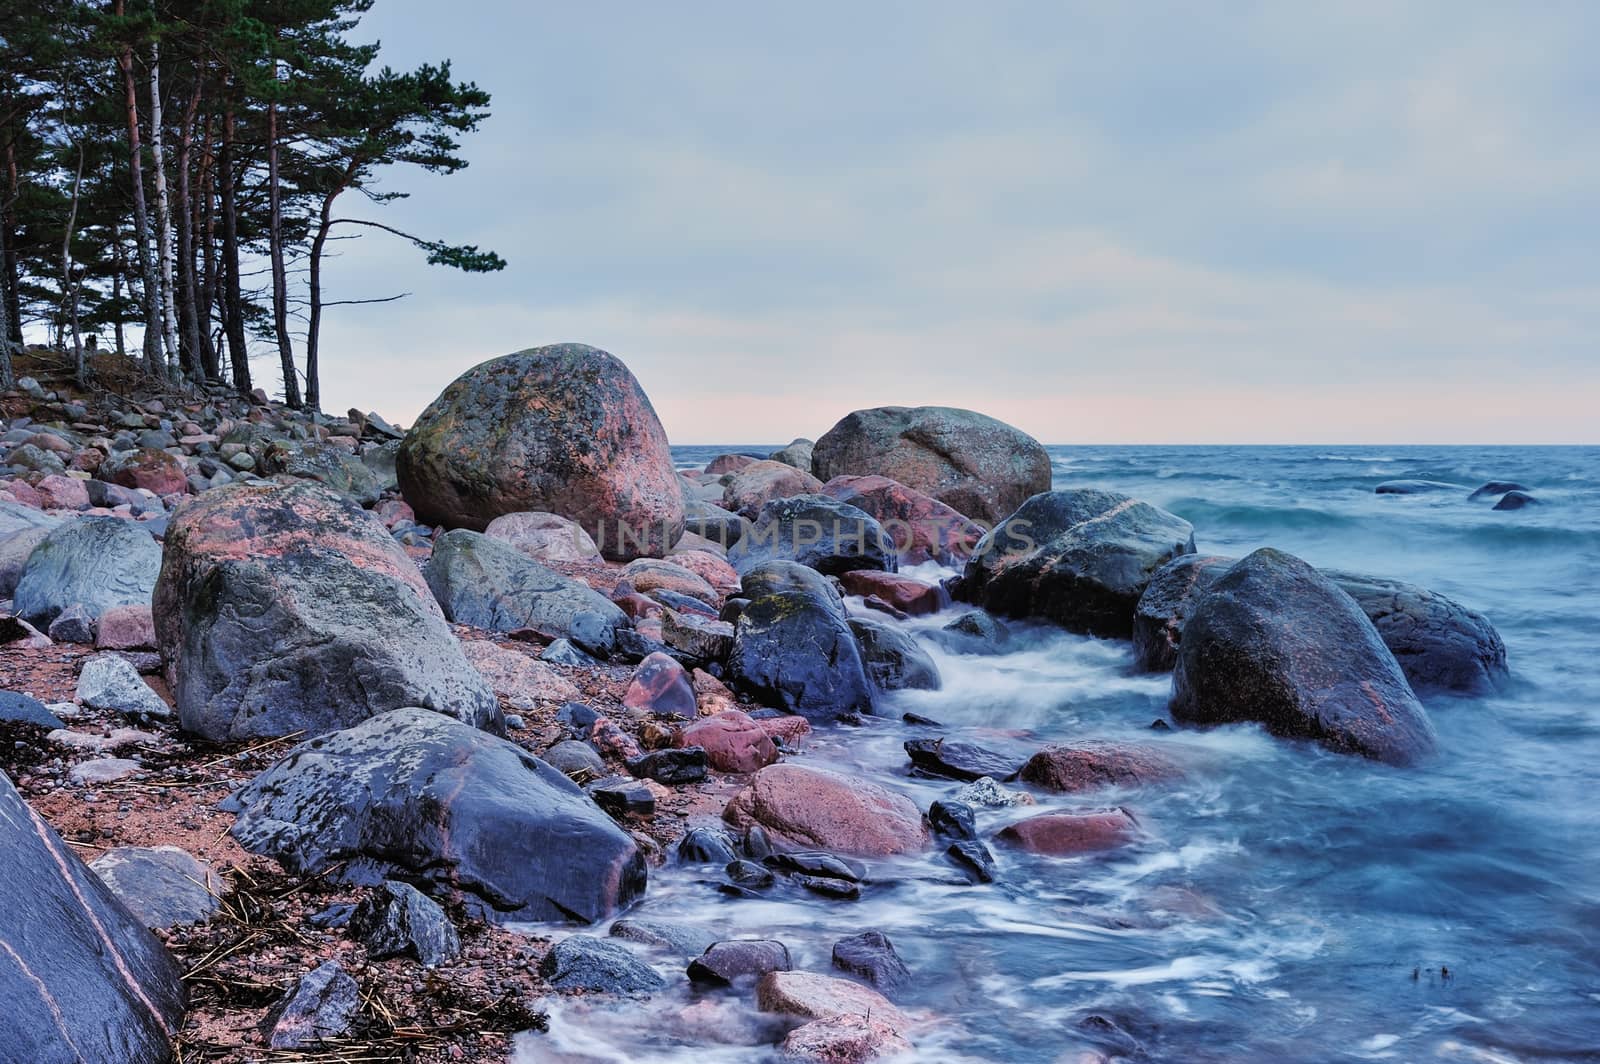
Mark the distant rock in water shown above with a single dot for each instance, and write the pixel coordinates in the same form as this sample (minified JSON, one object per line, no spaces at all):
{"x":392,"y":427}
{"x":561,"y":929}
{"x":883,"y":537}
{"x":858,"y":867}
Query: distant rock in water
{"x":1415,"y":487}
{"x":1438,"y":643}
{"x":979,"y":466}
{"x":1078,"y":558}
{"x":1276,"y":642}
{"x":284,"y":607}
{"x":1516,"y":500}
{"x":82,"y":979}
{"x":564,"y":429}
{"x":1494,"y":488}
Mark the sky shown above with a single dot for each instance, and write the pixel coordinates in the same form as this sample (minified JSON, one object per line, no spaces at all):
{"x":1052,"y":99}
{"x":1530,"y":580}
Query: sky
{"x":1103,"y":223}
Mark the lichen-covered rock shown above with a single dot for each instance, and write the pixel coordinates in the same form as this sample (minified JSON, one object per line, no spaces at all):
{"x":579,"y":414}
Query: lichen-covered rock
{"x":544,"y":537}
{"x":979,"y":466}
{"x":489,"y":584}
{"x":283,"y":607}
{"x":1274,"y":641}
{"x":416,"y":795}
{"x":94,"y":562}
{"x":751,"y":488}
{"x":153,"y":470}
{"x":82,"y":979}
{"x":563,"y":429}
{"x":1078,"y":558}
{"x":921,"y":527}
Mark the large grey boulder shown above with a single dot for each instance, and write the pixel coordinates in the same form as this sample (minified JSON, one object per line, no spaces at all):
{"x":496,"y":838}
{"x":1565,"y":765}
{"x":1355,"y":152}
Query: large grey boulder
{"x":563,"y":429}
{"x":417,"y":796}
{"x":1078,"y":558}
{"x":981,"y":467}
{"x":822,"y":533}
{"x":1274,"y":641}
{"x":81,"y":977}
{"x":283,"y":607}
{"x":489,"y":584}
{"x":93,"y":562}
{"x":895,"y":661}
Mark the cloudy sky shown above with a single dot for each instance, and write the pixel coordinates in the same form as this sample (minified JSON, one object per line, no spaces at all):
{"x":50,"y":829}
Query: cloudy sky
{"x":1152,"y":222}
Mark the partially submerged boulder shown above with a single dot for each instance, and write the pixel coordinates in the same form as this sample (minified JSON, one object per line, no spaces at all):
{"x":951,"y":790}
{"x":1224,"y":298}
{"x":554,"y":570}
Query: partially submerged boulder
{"x":802,"y":808}
{"x":895,"y":661}
{"x":979,"y":466}
{"x":1276,"y":642}
{"x":1078,"y":558}
{"x":563,"y":429}
{"x":415,"y":795}
{"x":283,"y":607}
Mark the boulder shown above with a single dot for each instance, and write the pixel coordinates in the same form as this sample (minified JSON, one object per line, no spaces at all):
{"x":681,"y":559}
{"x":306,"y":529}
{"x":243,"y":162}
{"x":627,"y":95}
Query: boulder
{"x":563,"y":429}
{"x":803,"y":808}
{"x":544,"y":537}
{"x":729,"y":463}
{"x":1087,"y":766}
{"x":1496,"y":488}
{"x":487,"y":584}
{"x":724,"y":962}
{"x":1070,"y":834}
{"x":651,"y":574}
{"x":583,"y":962}
{"x":16,"y":708}
{"x":827,"y":535}
{"x":322,"y":1006}
{"x":732,"y":742}
{"x":95,"y":562}
{"x":155,"y":471}
{"x":333,"y":468}
{"x":751,"y":488}
{"x":73,"y":625}
{"x":1162,"y":609}
{"x":921,"y":527}
{"x":63,"y":493}
{"x":821,"y":997}
{"x":1515,"y":500}
{"x":846,"y":1039}
{"x":283,"y":607}
{"x":398,"y":920}
{"x":710,"y":567}
{"x":910,"y":596}
{"x":793,"y":647}
{"x":83,"y":979}
{"x":871,"y":957}
{"x":162,"y":885}
{"x":14,"y":550}
{"x":978,"y":466}
{"x":797,"y":454}
{"x":714,"y":524}
{"x":895,"y":661}
{"x":673,"y":767}
{"x":417,"y":795}
{"x":1276,"y":642}
{"x":1078,"y":558}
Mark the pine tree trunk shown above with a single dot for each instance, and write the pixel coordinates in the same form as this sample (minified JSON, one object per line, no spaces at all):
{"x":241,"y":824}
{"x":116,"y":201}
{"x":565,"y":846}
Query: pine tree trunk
{"x":207,"y":227}
{"x":314,"y":321}
{"x":69,"y":283}
{"x":169,"y":324}
{"x":9,"y":280}
{"x":232,"y":298}
{"x":141,"y":218}
{"x":119,"y":264}
{"x":280,"y":278}
{"x":188,"y":284}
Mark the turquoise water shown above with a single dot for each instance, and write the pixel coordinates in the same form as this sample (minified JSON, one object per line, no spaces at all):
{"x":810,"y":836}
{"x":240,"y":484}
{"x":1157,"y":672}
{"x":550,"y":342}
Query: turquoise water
{"x":1291,"y":904}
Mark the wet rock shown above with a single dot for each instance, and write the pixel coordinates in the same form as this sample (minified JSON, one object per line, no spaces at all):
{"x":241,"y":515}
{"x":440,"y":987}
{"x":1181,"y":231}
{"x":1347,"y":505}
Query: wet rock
{"x":816,"y":863}
{"x":672,"y":767}
{"x":572,"y":757}
{"x":153,"y":470}
{"x":677,"y":938}
{"x":1274,"y":641}
{"x":322,"y":1006}
{"x":817,"y":531}
{"x":921,"y":527}
{"x":749,"y":875}
{"x":660,"y":685}
{"x":93,"y":562}
{"x":893,"y":659}
{"x":84,"y":980}
{"x":564,"y":429}
{"x":706,"y":846}
{"x":126,"y":628}
{"x":398,"y":920}
{"x":1495,"y":488}
{"x":73,"y":625}
{"x":748,"y":490}
{"x":1069,"y":834}
{"x":1163,"y":608}
{"x":20,"y":709}
{"x":726,"y":962}
{"x":975,"y":464}
{"x":973,"y":858}
{"x":951,"y":819}
{"x":1439,"y":643}
{"x":583,"y":962}
{"x":821,"y":997}
{"x":845,"y":1040}
{"x":162,"y":885}
{"x":420,"y":795}
{"x":1415,"y":487}
{"x":793,"y":647}
{"x":1515,"y":500}
{"x":871,"y":956}
{"x":985,"y":793}
{"x":1089,"y":765}
{"x":807,"y":808}
{"x":520,"y":680}
{"x":732,"y":742}
{"x":974,"y":632}
{"x":108,"y":682}
{"x":912,"y":597}
{"x":1078,"y":558}
{"x":485,"y":583}
{"x":623,"y":797}
{"x":284,"y":607}
{"x":702,"y":638}
{"x":947,"y":759}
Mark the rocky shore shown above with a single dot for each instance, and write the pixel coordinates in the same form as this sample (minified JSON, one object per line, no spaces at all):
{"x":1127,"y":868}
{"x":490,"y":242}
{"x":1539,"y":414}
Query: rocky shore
{"x":322,"y":737}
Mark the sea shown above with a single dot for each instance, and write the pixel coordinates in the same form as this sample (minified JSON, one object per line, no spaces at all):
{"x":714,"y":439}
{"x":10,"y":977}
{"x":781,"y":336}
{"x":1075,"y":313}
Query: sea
{"x":1289,"y":904}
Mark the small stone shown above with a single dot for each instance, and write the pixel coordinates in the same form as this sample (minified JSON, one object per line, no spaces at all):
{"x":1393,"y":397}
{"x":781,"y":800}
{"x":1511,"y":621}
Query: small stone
{"x":75,"y":624}
{"x":102,"y":770}
{"x":126,"y":628}
{"x":109,"y":682}
{"x":584,"y":962}
{"x":725,"y":962}
{"x":660,"y":685}
{"x":573,"y":756}
{"x":397,"y":920}
{"x":706,"y":846}
{"x":871,"y":956}
{"x":672,"y":767}
{"x":620,"y":797}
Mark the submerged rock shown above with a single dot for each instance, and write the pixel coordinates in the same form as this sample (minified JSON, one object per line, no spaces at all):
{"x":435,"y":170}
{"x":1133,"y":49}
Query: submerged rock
{"x":1087,"y":766}
{"x":421,"y":796}
{"x":1415,"y":487}
{"x":563,"y":429}
{"x":895,"y":661}
{"x":1070,"y":834}
{"x":725,"y":962}
{"x":979,"y":466}
{"x":871,"y":957}
{"x":1078,"y":558}
{"x":583,"y":962}
{"x":947,"y":759}
{"x":1274,"y":641}
{"x":1515,"y":500}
